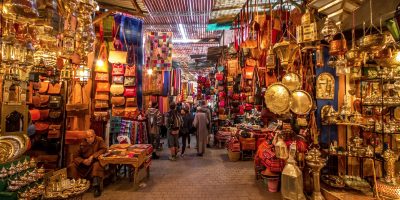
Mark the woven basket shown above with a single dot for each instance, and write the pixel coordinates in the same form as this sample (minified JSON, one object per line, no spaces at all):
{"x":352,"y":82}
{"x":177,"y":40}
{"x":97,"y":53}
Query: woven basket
{"x":388,"y":191}
{"x":233,"y":156}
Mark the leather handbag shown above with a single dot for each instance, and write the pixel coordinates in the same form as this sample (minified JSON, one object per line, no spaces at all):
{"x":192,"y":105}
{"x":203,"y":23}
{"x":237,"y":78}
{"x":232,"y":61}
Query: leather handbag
{"x":101,"y":116}
{"x":103,"y":87}
{"x":35,"y":114}
{"x":130,"y":70}
{"x":102,"y":66}
{"x":44,"y":100}
{"x":101,"y":104}
{"x":36,"y":101}
{"x":102,"y":96}
{"x":55,"y":102}
{"x":118,"y":101}
{"x":55,"y":114}
{"x":118,"y":79}
{"x":101,"y":76}
{"x":118,"y":70}
{"x":131,"y":112}
{"x":116,"y":56}
{"x":44,"y":114}
{"x":130,"y":92}
{"x":219,"y":76}
{"x":117,"y":89}
{"x":54,"y":131}
{"x":221,"y":104}
{"x":130,"y":81}
{"x":41,"y":127}
{"x":44,"y":86}
{"x":131,"y":102}
{"x":54,"y":89}
{"x":118,"y":112}
{"x":248,"y":72}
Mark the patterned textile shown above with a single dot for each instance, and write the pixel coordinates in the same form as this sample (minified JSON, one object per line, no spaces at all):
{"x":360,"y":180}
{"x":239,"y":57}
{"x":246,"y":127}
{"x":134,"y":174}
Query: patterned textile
{"x":158,"y":49}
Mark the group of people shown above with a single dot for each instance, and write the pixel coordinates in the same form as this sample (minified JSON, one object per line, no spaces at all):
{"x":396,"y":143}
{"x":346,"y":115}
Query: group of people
{"x":180,"y":121}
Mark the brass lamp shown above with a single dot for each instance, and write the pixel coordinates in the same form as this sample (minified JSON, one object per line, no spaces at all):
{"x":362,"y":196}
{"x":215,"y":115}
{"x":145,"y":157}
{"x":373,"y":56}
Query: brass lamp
{"x":285,"y":51}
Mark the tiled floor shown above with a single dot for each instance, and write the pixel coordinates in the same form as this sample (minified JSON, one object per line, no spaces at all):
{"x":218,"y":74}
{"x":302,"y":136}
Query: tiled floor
{"x":210,"y":177}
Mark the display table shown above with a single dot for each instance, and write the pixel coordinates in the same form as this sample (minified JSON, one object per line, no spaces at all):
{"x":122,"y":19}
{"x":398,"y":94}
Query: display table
{"x":138,"y":158}
{"x":336,"y":194}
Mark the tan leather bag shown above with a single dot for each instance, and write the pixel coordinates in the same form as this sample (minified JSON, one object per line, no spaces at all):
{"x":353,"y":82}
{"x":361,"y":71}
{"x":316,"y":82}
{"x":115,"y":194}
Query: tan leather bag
{"x":118,"y":112}
{"x":44,"y":86}
{"x":131,"y":112}
{"x":131,"y":102}
{"x":54,"y":89}
{"x":103,"y":87}
{"x":117,"y":89}
{"x":118,"y":101}
{"x":54,"y":131}
{"x":102,"y":96}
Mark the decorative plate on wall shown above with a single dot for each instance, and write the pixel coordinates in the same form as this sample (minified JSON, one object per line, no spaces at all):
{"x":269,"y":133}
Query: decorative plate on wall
{"x":301,"y":102}
{"x":277,"y":97}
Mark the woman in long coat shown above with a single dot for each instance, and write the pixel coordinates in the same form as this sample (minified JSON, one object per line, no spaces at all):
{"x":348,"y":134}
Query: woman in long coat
{"x":200,"y":122}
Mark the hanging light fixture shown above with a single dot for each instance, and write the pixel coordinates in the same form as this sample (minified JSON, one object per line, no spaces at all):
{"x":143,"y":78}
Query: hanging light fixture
{"x":292,"y":178}
{"x":285,"y":51}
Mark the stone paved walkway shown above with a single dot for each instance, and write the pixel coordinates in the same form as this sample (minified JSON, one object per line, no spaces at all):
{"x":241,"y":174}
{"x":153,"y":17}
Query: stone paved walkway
{"x":210,"y":177}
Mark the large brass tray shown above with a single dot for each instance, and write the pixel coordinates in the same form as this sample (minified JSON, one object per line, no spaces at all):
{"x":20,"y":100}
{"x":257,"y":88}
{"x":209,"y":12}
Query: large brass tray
{"x":6,"y":151}
{"x":292,"y":81}
{"x":277,"y":98}
{"x":301,"y":102}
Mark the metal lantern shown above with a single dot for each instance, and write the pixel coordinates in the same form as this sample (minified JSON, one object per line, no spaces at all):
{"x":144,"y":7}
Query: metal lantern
{"x":281,"y":150}
{"x":329,"y":29}
{"x":22,"y":8}
{"x":292,"y":178}
{"x":285,"y":51}
{"x":316,"y":163}
{"x":271,"y":59}
{"x":307,"y":32}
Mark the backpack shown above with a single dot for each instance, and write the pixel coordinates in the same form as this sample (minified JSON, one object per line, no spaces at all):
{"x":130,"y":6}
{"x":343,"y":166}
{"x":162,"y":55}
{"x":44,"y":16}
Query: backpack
{"x":174,"y":120}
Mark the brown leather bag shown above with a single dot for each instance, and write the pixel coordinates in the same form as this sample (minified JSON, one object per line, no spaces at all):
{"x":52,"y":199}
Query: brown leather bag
{"x":36,"y":101}
{"x":101,"y":76}
{"x":101,"y":116}
{"x":35,"y":114}
{"x":54,"y":131}
{"x":103,"y":87}
{"x":55,"y":114}
{"x":44,"y":114}
{"x":131,"y":102}
{"x":44,"y":86}
{"x":131,"y":112}
{"x":101,"y":104}
{"x":54,"y":89}
{"x":41,"y":127}
{"x":118,"y":101}
{"x":44,"y":100}
{"x":118,"y":112}
{"x":102,"y":96}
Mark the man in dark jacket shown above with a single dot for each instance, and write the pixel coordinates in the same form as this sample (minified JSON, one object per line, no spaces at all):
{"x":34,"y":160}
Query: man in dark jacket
{"x":154,"y":121}
{"x":86,"y":163}
{"x":187,"y":127}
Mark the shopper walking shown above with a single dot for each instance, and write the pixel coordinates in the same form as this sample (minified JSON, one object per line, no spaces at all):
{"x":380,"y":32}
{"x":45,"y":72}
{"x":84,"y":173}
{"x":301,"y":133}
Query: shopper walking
{"x":187,"y":127}
{"x":201,"y":122}
{"x":154,"y":122}
{"x":208,"y":112}
{"x":173,"y":122}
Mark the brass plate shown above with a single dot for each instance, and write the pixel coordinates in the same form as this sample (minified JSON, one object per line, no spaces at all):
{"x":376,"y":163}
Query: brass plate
{"x":277,"y":97}
{"x":397,"y":113}
{"x":6,"y":151}
{"x":325,"y":86}
{"x":17,"y":141}
{"x":301,"y":102}
{"x":292,"y":81}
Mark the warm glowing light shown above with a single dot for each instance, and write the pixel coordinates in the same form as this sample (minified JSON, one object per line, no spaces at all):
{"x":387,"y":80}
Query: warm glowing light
{"x":149,"y":71}
{"x":100,"y":63}
{"x":397,"y":56}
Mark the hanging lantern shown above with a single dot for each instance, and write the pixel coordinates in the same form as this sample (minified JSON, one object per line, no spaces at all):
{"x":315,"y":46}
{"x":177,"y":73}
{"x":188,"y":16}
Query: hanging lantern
{"x":292,"y":178}
{"x":66,"y":72}
{"x":319,"y":56}
{"x":271,"y":59}
{"x":329,"y":29}
{"x":285,"y":51}
{"x":338,"y":45}
{"x":24,"y":9}
{"x":307,"y":31}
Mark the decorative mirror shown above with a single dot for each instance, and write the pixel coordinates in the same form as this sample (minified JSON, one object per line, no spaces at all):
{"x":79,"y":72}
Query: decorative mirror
{"x":325,"y":86}
{"x":14,"y":92}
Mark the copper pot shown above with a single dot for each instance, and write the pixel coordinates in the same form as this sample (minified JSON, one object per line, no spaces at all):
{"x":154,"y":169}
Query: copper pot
{"x":372,"y":42}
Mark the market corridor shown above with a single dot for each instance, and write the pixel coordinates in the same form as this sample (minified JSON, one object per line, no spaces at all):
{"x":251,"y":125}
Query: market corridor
{"x":210,"y":177}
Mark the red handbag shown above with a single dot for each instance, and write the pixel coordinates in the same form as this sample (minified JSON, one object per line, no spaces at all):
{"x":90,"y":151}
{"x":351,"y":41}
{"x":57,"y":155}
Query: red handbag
{"x":236,"y":97}
{"x":221,"y":94}
{"x":130,"y":92}
{"x":118,"y":69}
{"x":35,"y":114}
{"x":241,"y":110}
